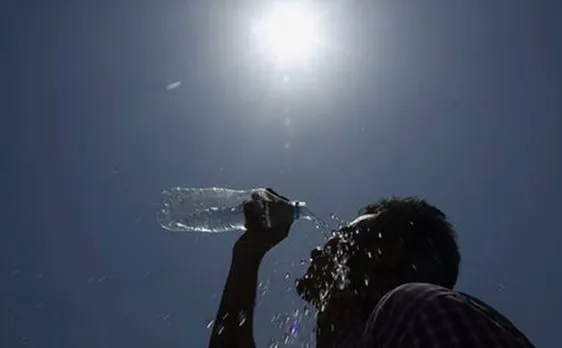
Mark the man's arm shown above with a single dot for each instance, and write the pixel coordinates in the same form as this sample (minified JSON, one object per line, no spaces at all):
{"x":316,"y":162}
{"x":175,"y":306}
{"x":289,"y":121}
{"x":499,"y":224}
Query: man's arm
{"x":234,"y":321}
{"x":233,"y":326}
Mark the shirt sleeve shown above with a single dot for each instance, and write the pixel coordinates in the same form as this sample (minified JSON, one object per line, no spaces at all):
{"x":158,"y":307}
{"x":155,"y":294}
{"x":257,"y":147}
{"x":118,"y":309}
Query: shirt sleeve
{"x":424,"y":315}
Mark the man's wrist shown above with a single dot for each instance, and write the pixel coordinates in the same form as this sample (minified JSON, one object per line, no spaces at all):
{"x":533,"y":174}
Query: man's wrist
{"x":248,"y":254}
{"x":246,"y":250}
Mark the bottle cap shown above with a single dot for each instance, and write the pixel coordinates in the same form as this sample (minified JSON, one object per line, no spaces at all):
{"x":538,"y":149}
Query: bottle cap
{"x":297,"y":206}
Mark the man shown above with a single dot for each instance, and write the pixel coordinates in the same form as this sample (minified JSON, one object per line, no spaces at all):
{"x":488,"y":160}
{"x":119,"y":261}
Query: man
{"x":384,"y":280}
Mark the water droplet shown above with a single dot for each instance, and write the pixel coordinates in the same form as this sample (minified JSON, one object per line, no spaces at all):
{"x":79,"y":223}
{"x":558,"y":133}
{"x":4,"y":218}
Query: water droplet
{"x":210,"y":323}
{"x":220,"y":330}
{"x":338,"y":220}
{"x":366,"y":280}
{"x":264,"y":289}
{"x":414,"y":267}
{"x":294,"y":330}
{"x":380,"y":235}
{"x":287,"y":275}
{"x":379,"y":251}
{"x":241,"y":318}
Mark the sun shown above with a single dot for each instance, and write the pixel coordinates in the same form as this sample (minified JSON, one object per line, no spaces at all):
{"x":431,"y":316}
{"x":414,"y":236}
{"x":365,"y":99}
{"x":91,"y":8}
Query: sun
{"x":289,"y":33}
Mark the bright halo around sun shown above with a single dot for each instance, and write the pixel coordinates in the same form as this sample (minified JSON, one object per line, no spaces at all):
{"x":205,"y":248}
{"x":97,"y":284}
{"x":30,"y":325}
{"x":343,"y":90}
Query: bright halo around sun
{"x":289,"y":33}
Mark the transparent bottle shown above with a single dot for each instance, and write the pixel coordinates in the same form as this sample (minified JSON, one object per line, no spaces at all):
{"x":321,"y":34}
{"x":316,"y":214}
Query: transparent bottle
{"x":213,"y":209}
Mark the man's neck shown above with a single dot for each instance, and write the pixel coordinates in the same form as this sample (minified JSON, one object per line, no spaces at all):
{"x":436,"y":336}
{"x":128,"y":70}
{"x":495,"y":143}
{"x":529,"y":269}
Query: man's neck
{"x":349,"y":322}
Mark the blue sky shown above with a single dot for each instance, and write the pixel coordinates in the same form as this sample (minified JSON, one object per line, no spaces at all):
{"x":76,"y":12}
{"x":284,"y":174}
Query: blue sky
{"x":458,"y":103}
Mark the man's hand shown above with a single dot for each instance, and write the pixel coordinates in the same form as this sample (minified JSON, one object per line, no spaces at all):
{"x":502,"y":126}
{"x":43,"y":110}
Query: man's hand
{"x":268,"y":220}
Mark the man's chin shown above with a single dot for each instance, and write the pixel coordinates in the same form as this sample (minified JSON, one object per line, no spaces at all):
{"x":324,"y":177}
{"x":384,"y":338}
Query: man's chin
{"x":309,"y":291}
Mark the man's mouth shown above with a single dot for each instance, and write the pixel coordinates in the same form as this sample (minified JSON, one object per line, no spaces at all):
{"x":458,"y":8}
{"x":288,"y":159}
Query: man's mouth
{"x":307,"y":288}
{"x":317,"y":287}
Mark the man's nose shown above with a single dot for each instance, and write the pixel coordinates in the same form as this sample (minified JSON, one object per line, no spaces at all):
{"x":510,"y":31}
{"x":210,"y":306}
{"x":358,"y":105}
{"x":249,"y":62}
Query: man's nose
{"x":315,"y":253}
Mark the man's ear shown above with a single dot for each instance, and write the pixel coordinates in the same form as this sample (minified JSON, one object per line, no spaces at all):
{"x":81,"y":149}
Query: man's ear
{"x":390,"y":256}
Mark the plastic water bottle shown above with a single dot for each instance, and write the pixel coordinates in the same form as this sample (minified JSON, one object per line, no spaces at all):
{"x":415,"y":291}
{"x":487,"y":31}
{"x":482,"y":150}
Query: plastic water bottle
{"x":213,"y":209}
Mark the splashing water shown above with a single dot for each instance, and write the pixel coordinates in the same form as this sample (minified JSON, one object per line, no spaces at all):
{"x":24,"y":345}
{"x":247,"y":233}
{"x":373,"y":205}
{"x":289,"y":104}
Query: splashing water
{"x":242,"y":318}
{"x":296,"y":327}
{"x":263,"y":288}
{"x":341,"y":276}
{"x":319,"y":224}
{"x":338,"y":220}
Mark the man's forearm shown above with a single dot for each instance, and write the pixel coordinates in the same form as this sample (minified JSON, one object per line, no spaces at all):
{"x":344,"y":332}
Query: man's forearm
{"x":234,"y":321}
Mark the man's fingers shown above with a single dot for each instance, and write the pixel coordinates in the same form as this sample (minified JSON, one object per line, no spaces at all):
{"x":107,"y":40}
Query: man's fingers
{"x":252,"y":213}
{"x":268,"y":210}
{"x":271,"y":191}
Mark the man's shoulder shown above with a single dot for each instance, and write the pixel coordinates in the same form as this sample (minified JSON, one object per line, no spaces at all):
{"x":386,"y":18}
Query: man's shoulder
{"x":405,"y":302}
{"x":414,"y":292}
{"x":421,"y":309}
{"x":413,"y":297}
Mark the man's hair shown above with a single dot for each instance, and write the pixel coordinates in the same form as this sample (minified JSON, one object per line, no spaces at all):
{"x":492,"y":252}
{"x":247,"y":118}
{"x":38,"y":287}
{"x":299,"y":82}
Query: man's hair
{"x":429,"y":238}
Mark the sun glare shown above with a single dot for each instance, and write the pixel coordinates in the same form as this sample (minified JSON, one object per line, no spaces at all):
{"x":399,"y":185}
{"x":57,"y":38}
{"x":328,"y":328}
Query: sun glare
{"x":289,"y":33}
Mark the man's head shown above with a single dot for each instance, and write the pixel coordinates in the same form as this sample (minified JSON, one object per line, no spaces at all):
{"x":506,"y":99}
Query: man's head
{"x":392,"y":242}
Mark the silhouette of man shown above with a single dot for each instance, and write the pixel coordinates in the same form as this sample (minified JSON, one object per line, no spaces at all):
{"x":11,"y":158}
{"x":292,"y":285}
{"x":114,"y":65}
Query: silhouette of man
{"x":400,"y":262}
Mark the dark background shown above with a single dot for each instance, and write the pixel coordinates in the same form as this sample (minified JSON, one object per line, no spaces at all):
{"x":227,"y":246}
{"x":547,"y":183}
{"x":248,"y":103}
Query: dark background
{"x":455,"y":101}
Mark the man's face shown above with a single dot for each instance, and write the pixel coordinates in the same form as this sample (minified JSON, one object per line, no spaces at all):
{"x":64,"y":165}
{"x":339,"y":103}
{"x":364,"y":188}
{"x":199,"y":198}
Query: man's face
{"x":341,"y":267}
